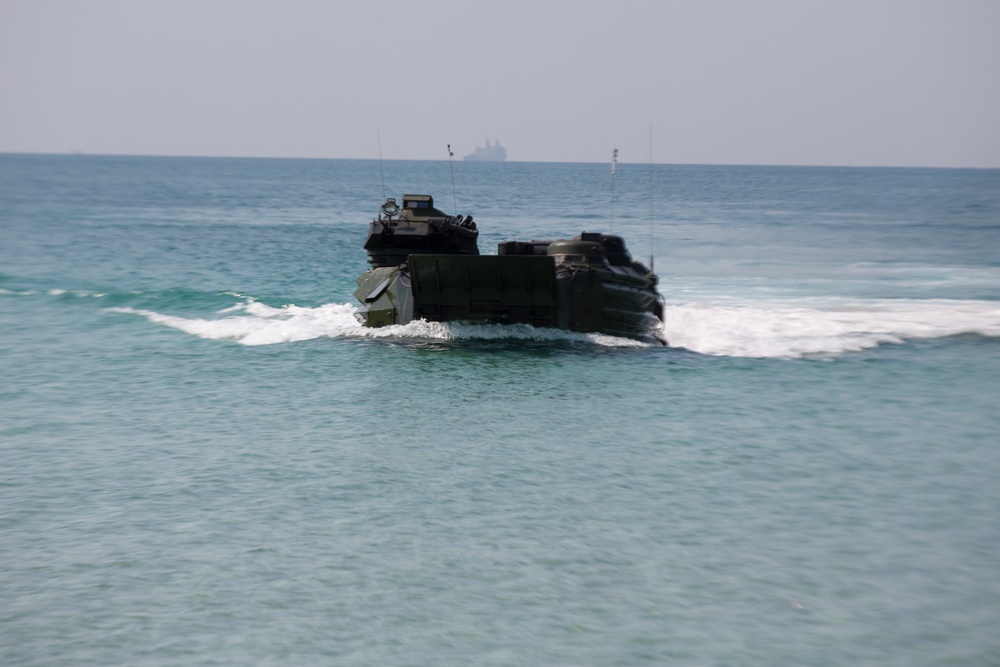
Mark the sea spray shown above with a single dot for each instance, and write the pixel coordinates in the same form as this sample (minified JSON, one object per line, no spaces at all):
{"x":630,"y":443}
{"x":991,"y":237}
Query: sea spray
{"x":786,"y":330}
{"x":266,"y":325}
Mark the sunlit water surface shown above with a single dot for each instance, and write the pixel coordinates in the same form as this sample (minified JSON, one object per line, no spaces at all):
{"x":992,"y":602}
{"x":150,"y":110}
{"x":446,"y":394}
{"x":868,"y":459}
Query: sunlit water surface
{"x":206,"y":460}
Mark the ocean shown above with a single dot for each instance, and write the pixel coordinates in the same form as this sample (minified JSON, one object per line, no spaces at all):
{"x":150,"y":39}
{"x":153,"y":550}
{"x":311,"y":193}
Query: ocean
{"x":207,"y":461}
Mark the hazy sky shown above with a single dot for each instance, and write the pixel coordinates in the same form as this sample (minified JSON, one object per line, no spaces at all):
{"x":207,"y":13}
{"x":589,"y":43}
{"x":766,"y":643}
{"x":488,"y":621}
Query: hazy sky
{"x":841,"y":82}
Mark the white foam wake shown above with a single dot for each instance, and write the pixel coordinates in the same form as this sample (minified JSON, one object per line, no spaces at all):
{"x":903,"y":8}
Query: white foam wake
{"x":258,"y":324}
{"x":807,"y":328}
{"x":53,"y":292}
{"x":776,"y":329}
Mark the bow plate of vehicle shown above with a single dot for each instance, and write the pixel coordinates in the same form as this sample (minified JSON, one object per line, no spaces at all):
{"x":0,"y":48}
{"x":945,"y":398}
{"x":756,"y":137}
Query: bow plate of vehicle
{"x":426,"y":266}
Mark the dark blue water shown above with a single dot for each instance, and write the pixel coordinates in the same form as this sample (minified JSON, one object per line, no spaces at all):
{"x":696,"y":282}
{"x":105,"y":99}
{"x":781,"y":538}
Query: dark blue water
{"x":207,"y":461}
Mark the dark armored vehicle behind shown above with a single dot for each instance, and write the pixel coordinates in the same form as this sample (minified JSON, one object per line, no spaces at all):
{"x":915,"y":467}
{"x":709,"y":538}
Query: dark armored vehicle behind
{"x":426,"y":265}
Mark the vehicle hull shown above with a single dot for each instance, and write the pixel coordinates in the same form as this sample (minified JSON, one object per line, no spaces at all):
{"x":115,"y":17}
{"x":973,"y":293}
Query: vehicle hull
{"x":513,"y":289}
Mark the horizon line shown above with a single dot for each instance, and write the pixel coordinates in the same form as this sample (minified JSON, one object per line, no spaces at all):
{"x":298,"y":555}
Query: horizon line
{"x":375,"y":159}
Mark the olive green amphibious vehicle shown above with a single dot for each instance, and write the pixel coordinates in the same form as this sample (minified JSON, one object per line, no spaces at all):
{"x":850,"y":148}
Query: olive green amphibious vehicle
{"x":426,"y":265}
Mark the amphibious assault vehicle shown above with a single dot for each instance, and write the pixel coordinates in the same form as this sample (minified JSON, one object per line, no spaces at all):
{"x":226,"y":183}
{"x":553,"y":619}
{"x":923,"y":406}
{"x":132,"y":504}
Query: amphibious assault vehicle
{"x":426,"y":265}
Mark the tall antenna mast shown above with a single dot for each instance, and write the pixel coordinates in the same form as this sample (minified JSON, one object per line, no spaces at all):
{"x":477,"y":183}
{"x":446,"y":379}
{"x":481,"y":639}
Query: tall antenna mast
{"x":652,"y":210}
{"x":382,"y":173}
{"x":452,"y":167}
{"x":614,"y":169}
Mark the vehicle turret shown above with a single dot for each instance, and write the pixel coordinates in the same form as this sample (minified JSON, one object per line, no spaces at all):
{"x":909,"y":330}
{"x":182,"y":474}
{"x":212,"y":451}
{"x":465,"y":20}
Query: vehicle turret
{"x":418,"y":228}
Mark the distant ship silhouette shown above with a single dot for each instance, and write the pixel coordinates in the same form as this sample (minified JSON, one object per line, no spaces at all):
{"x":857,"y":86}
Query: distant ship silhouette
{"x":489,"y":153}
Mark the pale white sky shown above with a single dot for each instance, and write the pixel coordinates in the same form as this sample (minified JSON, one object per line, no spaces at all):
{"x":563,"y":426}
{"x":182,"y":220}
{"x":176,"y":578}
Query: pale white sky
{"x":845,"y":82}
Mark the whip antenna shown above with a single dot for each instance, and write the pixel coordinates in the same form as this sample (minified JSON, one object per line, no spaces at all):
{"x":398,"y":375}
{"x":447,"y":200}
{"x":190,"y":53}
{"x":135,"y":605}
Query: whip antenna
{"x":652,"y":210}
{"x":614,"y":169}
{"x":452,"y":166}
{"x":382,"y":173}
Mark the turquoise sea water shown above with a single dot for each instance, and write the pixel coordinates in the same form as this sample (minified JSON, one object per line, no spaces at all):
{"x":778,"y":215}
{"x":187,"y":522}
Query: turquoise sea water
{"x":205,"y":460}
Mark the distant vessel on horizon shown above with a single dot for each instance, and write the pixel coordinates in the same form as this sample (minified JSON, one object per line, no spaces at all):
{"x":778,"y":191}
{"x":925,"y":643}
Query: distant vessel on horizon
{"x":488,"y":153}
